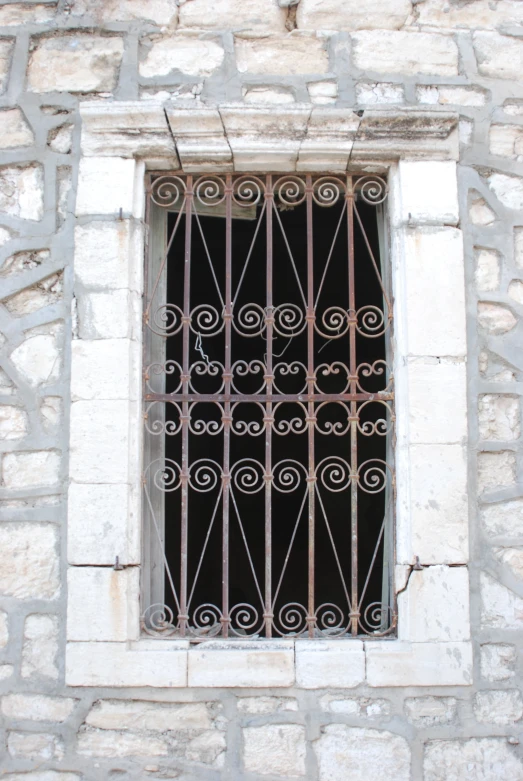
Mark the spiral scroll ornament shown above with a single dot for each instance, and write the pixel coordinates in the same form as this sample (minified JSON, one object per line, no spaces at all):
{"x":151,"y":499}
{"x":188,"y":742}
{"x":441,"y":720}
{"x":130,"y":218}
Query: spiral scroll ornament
{"x":248,"y":191}
{"x":158,"y":619}
{"x":168,"y":190}
{"x":166,"y":320}
{"x":372,"y":189}
{"x":209,"y":191}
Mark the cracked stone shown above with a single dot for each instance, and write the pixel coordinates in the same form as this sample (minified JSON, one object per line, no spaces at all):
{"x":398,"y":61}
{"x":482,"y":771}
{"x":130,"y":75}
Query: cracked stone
{"x":23,"y":261}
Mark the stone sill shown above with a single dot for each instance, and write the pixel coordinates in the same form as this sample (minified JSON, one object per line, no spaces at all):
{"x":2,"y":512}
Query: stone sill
{"x":307,"y":664}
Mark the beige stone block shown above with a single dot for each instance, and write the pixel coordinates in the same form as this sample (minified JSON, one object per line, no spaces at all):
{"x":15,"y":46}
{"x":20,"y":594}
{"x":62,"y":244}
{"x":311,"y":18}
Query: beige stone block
{"x":262,"y":706}
{"x":500,"y":707}
{"x":113,"y":744}
{"x":328,"y":141}
{"x":30,"y":469}
{"x":481,"y":14}
{"x":191,"y":55}
{"x":6,"y":49}
{"x":329,"y":663}
{"x":515,"y":290}
{"x":487,"y":272}
{"x":102,"y":604}
{"x":418,"y":664}
{"x":323,"y":92}
{"x":437,"y":204}
{"x":161,"y":12}
{"x":437,"y":393}
{"x":102,"y":369}
{"x":439,"y":506}
{"x":105,"y":186}
{"x":498,"y":661}
{"x":4,"y":629}
{"x":274,"y":96}
{"x":22,"y":191}
{"x":495,"y":319}
{"x":506,"y":140}
{"x":200,"y":139}
{"x":108,"y":255}
{"x":35,"y":746}
{"x":405,"y":52}
{"x":507,"y":189}
{"x":101,"y":524}
{"x":38,"y":359}
{"x":379,"y":93}
{"x":108,"y":315}
{"x":430,"y":711}
{"x":40,"y":647}
{"x":345,"y":752}
{"x":498,"y":56}
{"x":44,"y":293}
{"x":480,"y":212}
{"x":37,"y":707}
{"x":115,"y":664}
{"x":250,"y":17}
{"x":501,"y":608}
{"x":282,"y":55}
{"x":99,"y":441}
{"x":30,"y":566}
{"x":518,"y":247}
{"x":13,"y":422}
{"x":235,"y":664}
{"x":499,"y":416}
{"x":351,"y":15}
{"x":435,"y":292}
{"x":126,"y":129}
{"x":277,"y":749}
{"x":151,"y":716}
{"x":75,"y":63}
{"x":14,"y":130}
{"x":476,"y":759}
{"x":60,"y":139}
{"x":496,"y":469}
{"x":20,"y":14}
{"x":435,"y":606}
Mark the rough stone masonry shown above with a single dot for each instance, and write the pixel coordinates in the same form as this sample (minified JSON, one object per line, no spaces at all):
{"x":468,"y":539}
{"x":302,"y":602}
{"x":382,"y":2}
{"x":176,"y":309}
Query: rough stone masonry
{"x":466,"y":55}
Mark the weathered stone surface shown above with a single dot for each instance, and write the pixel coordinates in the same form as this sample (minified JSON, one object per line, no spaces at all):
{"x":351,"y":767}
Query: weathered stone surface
{"x":23,"y":261}
{"x":255,"y":17}
{"x":40,"y":648}
{"x":500,"y":707}
{"x":187,"y":54}
{"x":515,"y":290}
{"x":503,"y":519}
{"x":101,"y":369}
{"x":479,"y":14}
{"x":110,"y":743}
{"x":102,"y":604}
{"x":152,"y":716}
{"x":487,"y":272}
{"x":162,"y":12}
{"x":43,"y":775}
{"x":501,"y":608}
{"x":105,"y":185}
{"x":277,"y":749}
{"x":347,"y":752}
{"x":518,"y":247}
{"x":37,"y":707}
{"x":282,"y":55}
{"x":498,"y":56}
{"x":498,"y":661}
{"x":75,"y":63}
{"x":499,"y":416}
{"x":261,"y":706}
{"x":60,"y":139}
{"x":430,"y":711}
{"x":430,"y":383}
{"x":352,"y":15}
{"x":20,"y":13}
{"x":377,"y":93}
{"x":495,"y":318}
{"x":323,"y":92}
{"x":6,"y":48}
{"x":363,"y":707}
{"x":405,"y":52}
{"x":34,"y":745}
{"x":250,"y":665}
{"x":508,"y":189}
{"x":14,"y":130}
{"x":47,"y":291}
{"x":478,"y":759}
{"x":51,"y":408}
{"x":457,"y":96}
{"x":506,"y":140}
{"x":326,"y":663}
{"x":21,"y":191}
{"x":496,"y":469}
{"x":25,"y":470}
{"x":13,"y":422}
{"x":271,"y":95}
{"x":100,"y":442}
{"x":38,"y":358}
{"x":480,"y":212}
{"x":30,"y":567}
{"x":4,"y":630}
{"x":424,"y":605}
{"x":512,"y":560}
{"x":103,"y":254}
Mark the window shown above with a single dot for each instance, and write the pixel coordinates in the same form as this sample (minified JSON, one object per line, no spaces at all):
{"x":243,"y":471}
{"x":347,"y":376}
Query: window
{"x":268,"y":480}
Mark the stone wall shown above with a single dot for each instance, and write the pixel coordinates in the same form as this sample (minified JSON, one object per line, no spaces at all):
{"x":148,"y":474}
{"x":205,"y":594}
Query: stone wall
{"x":437,"y":55}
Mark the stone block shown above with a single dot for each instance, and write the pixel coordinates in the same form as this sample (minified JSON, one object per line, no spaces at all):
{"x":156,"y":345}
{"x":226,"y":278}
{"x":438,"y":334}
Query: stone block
{"x":351,"y":15}
{"x":40,"y":647}
{"x":451,"y":95}
{"x":481,"y":14}
{"x":99,"y":442}
{"x":501,"y":608}
{"x":75,"y":63}
{"x":496,"y":469}
{"x":251,"y":17}
{"x":108,"y":255}
{"x":480,"y":212}
{"x":508,"y":189}
{"x":439,"y":518}
{"x":126,"y":129}
{"x":43,"y":775}
{"x":437,"y":392}
{"x":476,"y":759}
{"x":4,"y":629}
{"x":44,"y":293}
{"x":249,"y":664}
{"x":363,"y":707}
{"x":14,"y":130}
{"x":515,"y":290}
{"x":379,"y":93}
{"x":277,"y":749}
{"x":151,"y":716}
{"x":418,"y":664}
{"x":102,"y":604}
{"x":190,"y":55}
{"x":328,"y":141}
{"x":499,"y":416}
{"x":284,"y":55}
{"x":60,"y":139}
{"x":30,"y":469}
{"x":512,"y":560}
{"x":430,"y":711}
{"x":262,"y":706}
{"x":487,"y":272}
{"x":506,"y":140}
{"x":22,"y":191}
{"x":34,"y":746}
{"x":6,"y":49}
{"x":434,"y":204}
{"x":51,"y":410}
{"x":102,"y":369}
{"x":113,"y":744}
{"x":30,"y":566}
{"x":495,"y":319}
{"x":112,"y":314}
{"x":345,"y":752}
{"x":115,"y":664}
{"x":323,"y":92}
{"x":105,"y":186}
{"x":435,"y":606}
{"x":200,"y":139}
{"x":498,"y":56}
{"x":20,"y":14}
{"x":435,"y":294}
{"x":100,"y":525}
{"x":275,"y":96}
{"x":161,"y":12}
{"x":37,"y":707}
{"x":411,"y":53}
{"x":498,"y":661}
{"x":38,"y":359}
{"x":501,"y":707}
{"x":13,"y":422}
{"x":518,"y":247}
{"x":329,"y":663}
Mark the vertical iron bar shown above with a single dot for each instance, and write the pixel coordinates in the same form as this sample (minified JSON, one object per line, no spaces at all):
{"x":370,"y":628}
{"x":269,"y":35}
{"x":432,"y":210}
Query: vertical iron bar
{"x":269,"y":196}
{"x":183,"y":617}
{"x":311,"y":620}
{"x":354,"y":616}
{"x":226,"y":619}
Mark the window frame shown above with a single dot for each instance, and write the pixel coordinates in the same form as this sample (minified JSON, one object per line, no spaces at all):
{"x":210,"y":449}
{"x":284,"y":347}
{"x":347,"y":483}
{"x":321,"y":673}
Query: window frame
{"x":104,"y":643}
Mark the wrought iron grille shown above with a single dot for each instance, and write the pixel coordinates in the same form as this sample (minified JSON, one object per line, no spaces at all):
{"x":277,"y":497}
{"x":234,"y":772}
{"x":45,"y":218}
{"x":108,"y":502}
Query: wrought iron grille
{"x":268,"y":408}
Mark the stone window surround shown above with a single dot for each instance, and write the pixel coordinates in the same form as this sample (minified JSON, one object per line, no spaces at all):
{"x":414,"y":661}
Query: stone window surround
{"x":418,"y":150}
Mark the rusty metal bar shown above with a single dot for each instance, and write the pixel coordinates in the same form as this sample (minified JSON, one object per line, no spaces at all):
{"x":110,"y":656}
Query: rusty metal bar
{"x":353,"y":411}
